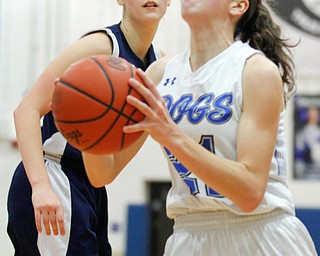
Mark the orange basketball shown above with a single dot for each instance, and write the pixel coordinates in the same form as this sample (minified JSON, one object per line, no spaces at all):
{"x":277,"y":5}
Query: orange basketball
{"x":89,"y":104}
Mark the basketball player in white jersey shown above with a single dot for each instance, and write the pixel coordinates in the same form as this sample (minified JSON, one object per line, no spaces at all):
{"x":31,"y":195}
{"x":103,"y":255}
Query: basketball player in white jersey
{"x":218,"y":112}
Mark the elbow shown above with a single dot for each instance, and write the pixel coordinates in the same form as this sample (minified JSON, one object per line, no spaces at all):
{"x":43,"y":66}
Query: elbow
{"x":23,"y":112}
{"x":99,"y":177}
{"x":251,"y":205}
{"x":16,"y":113}
{"x":96,"y":183}
{"x":100,"y":182}
{"x":99,"y":169}
{"x":252,"y":200}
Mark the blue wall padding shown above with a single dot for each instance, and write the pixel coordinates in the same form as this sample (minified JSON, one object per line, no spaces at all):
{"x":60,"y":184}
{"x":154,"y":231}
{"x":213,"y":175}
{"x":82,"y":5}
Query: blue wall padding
{"x":139,"y":228}
{"x":311,"y":219}
{"x":138,"y":232}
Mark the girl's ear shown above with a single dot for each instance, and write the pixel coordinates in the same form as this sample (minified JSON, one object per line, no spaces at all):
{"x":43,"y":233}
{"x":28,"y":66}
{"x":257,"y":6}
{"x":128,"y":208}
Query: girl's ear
{"x":239,"y":7}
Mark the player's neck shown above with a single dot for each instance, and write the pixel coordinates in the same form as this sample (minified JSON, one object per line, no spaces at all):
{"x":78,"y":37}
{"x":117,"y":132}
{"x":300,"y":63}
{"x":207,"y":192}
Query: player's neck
{"x":139,"y":38}
{"x":205,"y":46}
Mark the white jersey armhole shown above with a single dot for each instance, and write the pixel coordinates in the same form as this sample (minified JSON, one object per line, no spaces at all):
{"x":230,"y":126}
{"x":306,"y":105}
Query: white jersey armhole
{"x":115,"y":45}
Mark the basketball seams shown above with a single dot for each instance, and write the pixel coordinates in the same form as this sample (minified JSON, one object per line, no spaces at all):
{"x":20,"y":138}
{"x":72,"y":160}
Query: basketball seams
{"x":128,"y":120}
{"x":84,"y":93}
{"x":99,"y":86}
{"x":134,"y":110}
{"x":119,"y":112}
{"x":64,"y":83}
{"x":104,"y":72}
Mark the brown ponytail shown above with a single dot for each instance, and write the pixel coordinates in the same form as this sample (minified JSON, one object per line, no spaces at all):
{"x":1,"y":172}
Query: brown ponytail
{"x":258,"y":29}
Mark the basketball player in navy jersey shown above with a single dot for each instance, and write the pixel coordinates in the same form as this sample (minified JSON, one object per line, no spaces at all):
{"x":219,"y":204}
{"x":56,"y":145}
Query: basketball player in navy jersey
{"x":218,"y":112}
{"x":53,"y":209}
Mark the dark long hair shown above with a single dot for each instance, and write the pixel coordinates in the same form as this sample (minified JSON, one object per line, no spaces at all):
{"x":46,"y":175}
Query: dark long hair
{"x":257,"y":28}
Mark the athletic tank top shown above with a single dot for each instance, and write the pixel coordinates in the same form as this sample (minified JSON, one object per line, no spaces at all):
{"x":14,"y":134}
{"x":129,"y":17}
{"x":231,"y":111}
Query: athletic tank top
{"x":207,"y":105}
{"x":54,"y":144}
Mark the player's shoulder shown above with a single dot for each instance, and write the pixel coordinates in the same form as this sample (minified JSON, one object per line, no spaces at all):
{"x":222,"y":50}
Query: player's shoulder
{"x":98,"y":43}
{"x":262,"y":79}
{"x":261,"y":72}
{"x":156,"y":70}
{"x":258,"y":65}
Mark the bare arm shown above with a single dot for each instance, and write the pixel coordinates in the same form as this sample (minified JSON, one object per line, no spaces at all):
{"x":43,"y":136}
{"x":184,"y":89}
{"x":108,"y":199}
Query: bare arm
{"x":242,"y":181}
{"x":103,"y":169}
{"x":27,"y":116}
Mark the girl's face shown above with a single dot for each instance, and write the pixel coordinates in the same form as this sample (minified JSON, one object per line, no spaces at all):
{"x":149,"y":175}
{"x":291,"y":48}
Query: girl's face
{"x":204,"y":8}
{"x":144,"y":10}
{"x":213,"y":12}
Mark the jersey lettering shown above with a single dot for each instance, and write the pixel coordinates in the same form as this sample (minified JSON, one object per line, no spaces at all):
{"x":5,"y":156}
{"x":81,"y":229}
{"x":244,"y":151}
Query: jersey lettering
{"x":215,"y":109}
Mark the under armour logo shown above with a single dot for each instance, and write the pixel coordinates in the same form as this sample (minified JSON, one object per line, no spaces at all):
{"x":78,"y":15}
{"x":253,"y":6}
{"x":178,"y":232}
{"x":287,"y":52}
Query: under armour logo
{"x":170,"y":81}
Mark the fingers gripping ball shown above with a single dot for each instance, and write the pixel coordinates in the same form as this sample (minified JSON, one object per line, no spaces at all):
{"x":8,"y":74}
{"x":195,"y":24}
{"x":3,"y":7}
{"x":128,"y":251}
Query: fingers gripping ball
{"x":89,"y":104}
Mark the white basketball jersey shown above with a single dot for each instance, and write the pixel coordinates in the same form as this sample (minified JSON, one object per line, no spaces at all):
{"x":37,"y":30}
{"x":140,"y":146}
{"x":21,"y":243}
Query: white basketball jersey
{"x":207,"y":105}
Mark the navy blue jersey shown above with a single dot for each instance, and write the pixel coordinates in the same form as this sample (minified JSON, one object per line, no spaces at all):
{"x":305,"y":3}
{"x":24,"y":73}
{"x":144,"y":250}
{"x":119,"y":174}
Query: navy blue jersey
{"x":85,"y":207}
{"x":122,"y":49}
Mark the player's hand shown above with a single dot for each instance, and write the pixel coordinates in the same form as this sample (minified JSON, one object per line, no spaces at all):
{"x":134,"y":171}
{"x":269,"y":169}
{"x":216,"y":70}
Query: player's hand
{"x":157,"y":122}
{"x":47,"y":209}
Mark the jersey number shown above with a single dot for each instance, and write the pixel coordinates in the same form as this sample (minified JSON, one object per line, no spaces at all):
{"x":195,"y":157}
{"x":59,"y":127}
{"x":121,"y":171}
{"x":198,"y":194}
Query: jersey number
{"x":192,"y":182}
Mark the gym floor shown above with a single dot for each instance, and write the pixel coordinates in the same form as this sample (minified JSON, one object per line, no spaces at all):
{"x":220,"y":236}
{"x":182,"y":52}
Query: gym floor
{"x":9,"y":158}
